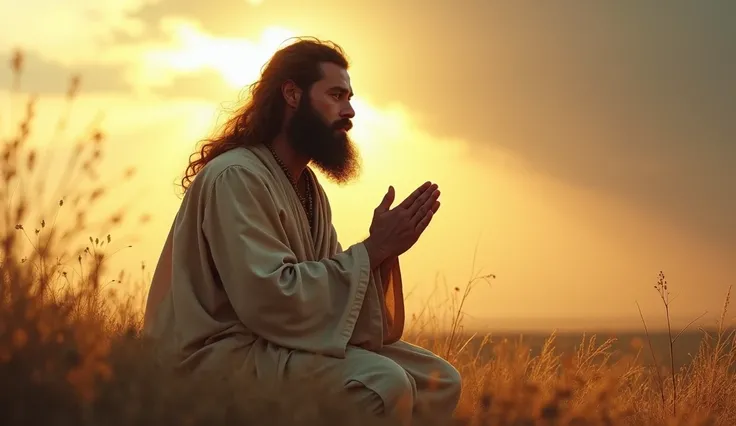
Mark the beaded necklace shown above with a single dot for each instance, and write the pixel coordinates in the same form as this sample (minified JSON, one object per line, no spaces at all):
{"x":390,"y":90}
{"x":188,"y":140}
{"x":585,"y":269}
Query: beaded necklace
{"x":306,"y":201}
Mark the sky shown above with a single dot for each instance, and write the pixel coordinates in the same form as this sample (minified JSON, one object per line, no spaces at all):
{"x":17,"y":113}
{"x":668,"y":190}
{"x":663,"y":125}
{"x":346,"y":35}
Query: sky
{"x":580,"y":147}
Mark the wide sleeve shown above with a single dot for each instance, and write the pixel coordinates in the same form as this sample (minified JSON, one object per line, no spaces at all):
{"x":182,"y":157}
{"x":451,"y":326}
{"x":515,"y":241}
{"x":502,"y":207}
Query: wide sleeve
{"x":388,"y":277}
{"x":310,"y":305}
{"x":382,"y":317}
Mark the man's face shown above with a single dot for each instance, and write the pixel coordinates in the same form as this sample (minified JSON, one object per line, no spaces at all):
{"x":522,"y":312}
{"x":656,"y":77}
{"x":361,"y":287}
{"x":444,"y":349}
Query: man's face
{"x":319,"y":127}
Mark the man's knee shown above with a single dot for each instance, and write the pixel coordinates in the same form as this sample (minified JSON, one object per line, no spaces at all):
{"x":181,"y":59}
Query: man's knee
{"x":385,"y":389}
{"x":454,"y":380}
{"x":365,"y":398}
{"x":399,"y":390}
{"x":445,"y":377}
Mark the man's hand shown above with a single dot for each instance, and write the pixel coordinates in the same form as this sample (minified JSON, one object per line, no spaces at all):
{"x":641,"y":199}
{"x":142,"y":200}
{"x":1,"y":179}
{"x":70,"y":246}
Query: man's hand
{"x":394,"y":231}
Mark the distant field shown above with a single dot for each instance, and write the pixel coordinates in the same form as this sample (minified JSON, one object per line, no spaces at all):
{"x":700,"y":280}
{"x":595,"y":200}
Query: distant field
{"x":627,"y":342}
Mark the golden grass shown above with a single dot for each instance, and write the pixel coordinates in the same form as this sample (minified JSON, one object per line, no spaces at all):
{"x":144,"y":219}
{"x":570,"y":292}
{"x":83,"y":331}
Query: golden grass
{"x":71,"y":352}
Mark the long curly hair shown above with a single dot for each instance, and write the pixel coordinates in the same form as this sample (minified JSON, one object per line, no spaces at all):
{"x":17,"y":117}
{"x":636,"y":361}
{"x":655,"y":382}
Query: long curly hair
{"x":260,"y":118}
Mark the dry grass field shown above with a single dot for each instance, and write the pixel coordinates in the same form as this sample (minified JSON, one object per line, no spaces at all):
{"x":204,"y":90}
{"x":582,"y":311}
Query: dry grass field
{"x":71,"y":352}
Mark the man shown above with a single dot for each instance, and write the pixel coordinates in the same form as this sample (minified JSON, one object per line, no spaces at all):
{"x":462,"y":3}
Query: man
{"x":252,"y":269}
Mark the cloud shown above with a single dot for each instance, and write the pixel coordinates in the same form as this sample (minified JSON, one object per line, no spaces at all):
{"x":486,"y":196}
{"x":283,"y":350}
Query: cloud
{"x":613,"y":97}
{"x":205,"y":84}
{"x":66,"y":31}
{"x":70,"y":38}
{"x":46,"y":76}
{"x":189,"y":48}
{"x":237,"y":15}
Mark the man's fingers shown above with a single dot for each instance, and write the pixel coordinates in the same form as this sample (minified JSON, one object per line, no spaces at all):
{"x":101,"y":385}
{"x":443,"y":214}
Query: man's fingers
{"x":388,"y":199}
{"x":414,"y":195}
{"x":428,"y":195}
{"x":424,"y":223}
{"x":424,"y":204}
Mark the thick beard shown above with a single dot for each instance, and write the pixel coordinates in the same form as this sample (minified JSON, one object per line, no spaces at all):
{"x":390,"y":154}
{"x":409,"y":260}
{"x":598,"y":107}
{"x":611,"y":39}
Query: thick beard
{"x":330,"y":151}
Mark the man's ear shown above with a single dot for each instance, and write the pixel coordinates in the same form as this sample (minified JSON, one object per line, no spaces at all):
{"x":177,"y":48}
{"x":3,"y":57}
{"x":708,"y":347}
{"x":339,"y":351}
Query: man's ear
{"x":292,"y":93}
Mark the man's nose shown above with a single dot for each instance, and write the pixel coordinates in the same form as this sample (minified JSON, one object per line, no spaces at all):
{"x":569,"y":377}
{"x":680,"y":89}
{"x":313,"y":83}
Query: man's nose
{"x":347,"y":112}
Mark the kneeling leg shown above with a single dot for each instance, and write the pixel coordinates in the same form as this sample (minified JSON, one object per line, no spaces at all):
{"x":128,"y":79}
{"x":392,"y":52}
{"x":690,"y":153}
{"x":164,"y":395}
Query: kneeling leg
{"x":437,"y":382}
{"x":371,"y":381}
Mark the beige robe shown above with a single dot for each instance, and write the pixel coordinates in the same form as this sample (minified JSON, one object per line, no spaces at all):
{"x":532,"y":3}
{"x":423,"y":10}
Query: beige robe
{"x":252,"y":283}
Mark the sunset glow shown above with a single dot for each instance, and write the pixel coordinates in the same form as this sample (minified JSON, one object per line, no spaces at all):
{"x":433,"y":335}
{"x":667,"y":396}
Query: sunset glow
{"x":578,"y":270}
{"x":238,"y":61}
{"x":568,"y":176}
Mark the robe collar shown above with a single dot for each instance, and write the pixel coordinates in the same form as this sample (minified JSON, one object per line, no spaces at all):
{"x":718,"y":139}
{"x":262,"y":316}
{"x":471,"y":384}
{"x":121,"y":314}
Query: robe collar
{"x":318,"y":238}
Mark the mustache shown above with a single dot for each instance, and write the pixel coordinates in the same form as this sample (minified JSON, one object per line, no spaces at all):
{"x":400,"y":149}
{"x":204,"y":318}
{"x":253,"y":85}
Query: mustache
{"x":344,"y":123}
